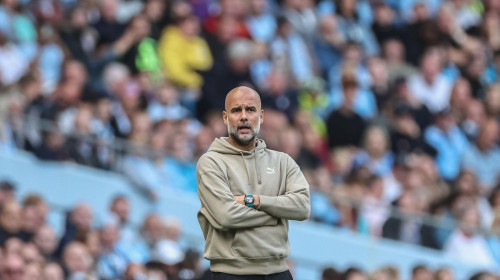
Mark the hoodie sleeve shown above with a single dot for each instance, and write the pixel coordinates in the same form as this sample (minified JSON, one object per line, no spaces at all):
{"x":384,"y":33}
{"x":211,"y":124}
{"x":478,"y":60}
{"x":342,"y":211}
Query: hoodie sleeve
{"x":218,"y":203}
{"x":295,"y":203}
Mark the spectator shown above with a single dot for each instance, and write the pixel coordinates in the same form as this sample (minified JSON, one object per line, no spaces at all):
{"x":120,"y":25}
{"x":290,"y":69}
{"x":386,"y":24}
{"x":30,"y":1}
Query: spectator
{"x":466,"y":244}
{"x":290,"y":54}
{"x":112,"y":260}
{"x":280,"y":96}
{"x":406,"y":136}
{"x":494,"y":238}
{"x":78,"y":222}
{"x":7,"y":191}
{"x":12,"y":268}
{"x":354,"y":29}
{"x":330,"y":273}
{"x":408,"y":227}
{"x":184,"y":53}
{"x":353,"y":273}
{"x":34,"y":214}
{"x":430,"y":86}
{"x":443,"y":274}
{"x":52,"y":271}
{"x":394,"y":53}
{"x":10,"y":221}
{"x":421,"y":272}
{"x":449,"y":141}
{"x":77,"y":261}
{"x":46,"y":241}
{"x":302,"y":17}
{"x":227,"y":73}
{"x":260,"y":22}
{"x":480,"y":157}
{"x":345,"y":118}
{"x":328,"y":44}
{"x":375,"y":154}
{"x":120,"y":208}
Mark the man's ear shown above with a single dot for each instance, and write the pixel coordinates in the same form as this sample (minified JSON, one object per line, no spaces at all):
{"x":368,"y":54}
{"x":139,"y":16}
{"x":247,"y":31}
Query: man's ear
{"x":224,"y":117}
{"x":261,"y":116}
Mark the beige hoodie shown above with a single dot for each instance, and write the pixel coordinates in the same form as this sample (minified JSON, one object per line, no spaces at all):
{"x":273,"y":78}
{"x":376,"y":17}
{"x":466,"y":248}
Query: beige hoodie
{"x":239,"y":239}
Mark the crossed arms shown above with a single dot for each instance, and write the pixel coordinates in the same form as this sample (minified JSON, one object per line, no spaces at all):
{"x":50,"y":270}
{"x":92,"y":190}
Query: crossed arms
{"x":225,"y":211}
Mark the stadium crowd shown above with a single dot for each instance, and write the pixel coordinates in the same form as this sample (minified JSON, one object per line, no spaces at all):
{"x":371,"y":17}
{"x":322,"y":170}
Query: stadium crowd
{"x":391,"y":108}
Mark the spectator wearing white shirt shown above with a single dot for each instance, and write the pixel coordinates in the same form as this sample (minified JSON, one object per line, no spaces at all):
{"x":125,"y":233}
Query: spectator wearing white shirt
{"x":431,"y":87}
{"x":465,"y":243}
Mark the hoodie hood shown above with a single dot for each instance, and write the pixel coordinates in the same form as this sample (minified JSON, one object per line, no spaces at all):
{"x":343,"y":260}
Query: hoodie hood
{"x":221,"y":145}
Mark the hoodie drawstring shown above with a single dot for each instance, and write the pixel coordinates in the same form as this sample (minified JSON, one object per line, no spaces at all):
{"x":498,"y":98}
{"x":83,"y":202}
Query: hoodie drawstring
{"x":256,"y":168}
{"x":259,"y":179}
{"x":246,"y":167}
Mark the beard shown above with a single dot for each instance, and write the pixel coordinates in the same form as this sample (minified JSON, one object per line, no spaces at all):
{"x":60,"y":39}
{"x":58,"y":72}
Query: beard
{"x":244,"y":140}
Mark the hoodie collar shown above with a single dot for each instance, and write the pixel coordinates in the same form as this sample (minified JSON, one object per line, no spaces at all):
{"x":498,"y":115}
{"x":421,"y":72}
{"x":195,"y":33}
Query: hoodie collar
{"x":221,"y":145}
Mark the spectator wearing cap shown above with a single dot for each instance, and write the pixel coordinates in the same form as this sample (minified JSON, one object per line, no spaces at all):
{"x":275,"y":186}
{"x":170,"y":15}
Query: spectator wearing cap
{"x":345,"y":118}
{"x":483,"y":156}
{"x":449,"y":141}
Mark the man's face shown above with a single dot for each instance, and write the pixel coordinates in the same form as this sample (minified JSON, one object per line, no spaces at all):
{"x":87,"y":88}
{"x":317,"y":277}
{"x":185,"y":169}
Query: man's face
{"x":243,"y":117}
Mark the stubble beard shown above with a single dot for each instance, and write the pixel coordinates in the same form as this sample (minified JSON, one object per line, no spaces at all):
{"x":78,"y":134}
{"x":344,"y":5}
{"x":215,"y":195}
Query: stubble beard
{"x":246,"y":140}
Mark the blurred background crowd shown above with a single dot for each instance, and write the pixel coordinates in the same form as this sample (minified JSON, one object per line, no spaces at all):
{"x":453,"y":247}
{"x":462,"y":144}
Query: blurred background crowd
{"x":391,"y":108}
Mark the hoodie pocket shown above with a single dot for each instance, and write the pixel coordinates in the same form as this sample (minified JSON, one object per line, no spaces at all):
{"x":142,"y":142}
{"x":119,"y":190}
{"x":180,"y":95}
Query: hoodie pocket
{"x":262,"y":242}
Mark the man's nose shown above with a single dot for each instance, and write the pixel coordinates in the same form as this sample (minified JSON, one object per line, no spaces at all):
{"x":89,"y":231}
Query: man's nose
{"x":244,"y":115}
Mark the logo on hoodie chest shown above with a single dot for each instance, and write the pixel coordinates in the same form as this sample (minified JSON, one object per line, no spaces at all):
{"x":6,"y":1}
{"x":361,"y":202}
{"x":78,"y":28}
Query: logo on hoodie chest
{"x":270,"y":170}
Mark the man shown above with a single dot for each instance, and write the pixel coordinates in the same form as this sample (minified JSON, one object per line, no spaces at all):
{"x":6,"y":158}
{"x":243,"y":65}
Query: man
{"x":248,"y":193}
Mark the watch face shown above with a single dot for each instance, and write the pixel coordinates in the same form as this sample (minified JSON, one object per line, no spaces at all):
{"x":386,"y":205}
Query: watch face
{"x":249,"y":199}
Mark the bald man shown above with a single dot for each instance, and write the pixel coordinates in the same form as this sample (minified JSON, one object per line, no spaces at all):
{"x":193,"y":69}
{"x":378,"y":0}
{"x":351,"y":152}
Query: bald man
{"x":248,"y":193}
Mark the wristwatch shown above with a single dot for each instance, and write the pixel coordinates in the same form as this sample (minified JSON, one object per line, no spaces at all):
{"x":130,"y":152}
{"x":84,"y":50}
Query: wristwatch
{"x":249,"y":199}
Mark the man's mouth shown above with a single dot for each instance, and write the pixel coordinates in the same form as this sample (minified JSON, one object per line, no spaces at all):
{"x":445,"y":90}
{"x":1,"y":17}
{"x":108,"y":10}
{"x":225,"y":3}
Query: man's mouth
{"x":244,"y":128}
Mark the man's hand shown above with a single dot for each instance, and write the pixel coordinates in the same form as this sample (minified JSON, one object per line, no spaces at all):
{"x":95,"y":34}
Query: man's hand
{"x":240,"y":200}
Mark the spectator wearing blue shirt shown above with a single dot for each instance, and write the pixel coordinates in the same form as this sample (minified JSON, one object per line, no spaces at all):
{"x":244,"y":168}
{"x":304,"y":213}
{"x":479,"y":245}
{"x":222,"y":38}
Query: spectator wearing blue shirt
{"x":356,"y":30}
{"x":261,"y":23}
{"x":328,"y":44}
{"x":483,"y":157}
{"x":449,"y":141}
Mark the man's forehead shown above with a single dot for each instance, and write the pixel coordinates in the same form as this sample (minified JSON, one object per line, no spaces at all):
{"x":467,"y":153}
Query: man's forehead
{"x":242,"y":97}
